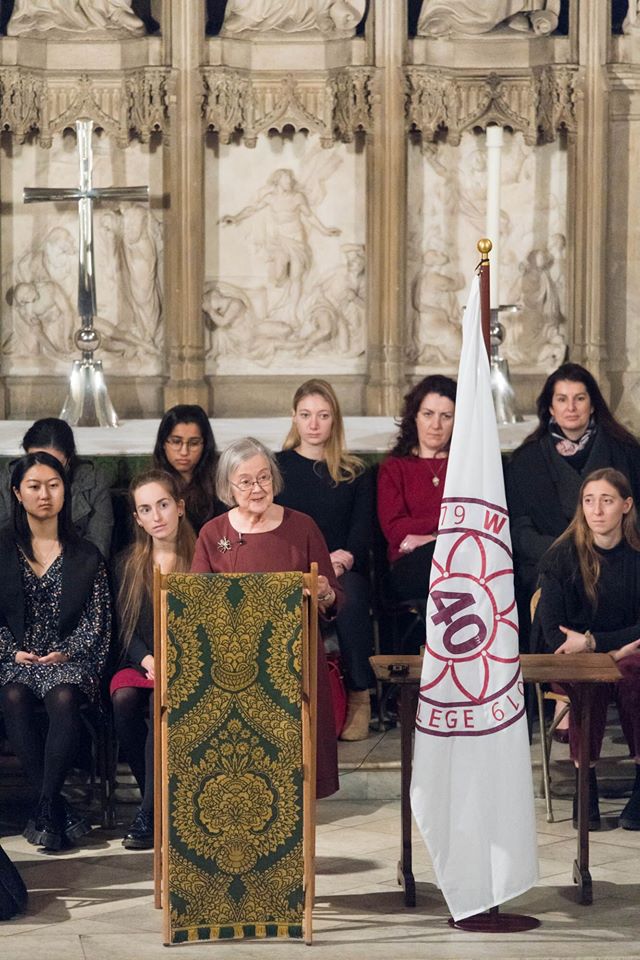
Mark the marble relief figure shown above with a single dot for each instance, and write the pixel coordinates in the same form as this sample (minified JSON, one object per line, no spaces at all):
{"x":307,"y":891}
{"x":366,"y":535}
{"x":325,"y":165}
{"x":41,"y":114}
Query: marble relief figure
{"x":539,"y":329}
{"x":58,"y":18}
{"x":440,"y":18}
{"x":337,"y":18}
{"x":436,"y":332}
{"x":288,"y":217}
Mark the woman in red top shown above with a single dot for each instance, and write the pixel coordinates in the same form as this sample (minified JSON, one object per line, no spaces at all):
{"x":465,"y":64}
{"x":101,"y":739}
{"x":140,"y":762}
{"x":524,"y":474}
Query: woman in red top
{"x":260,"y":536}
{"x":411,"y":484}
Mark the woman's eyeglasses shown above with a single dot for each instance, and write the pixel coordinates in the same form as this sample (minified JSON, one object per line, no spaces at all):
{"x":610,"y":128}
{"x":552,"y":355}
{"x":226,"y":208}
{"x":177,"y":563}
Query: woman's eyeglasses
{"x":176,"y":443}
{"x":245,"y":485}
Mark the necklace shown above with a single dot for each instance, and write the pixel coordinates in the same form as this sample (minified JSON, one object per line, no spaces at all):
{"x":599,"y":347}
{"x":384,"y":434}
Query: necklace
{"x":47,"y":560}
{"x":435,"y":474}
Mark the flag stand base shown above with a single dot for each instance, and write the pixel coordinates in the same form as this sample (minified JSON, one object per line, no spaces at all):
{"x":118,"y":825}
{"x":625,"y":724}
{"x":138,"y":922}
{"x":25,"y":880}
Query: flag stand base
{"x":496,"y":922}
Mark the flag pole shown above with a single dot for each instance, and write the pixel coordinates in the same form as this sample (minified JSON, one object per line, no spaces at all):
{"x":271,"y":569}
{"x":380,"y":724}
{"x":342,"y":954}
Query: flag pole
{"x":484,"y":249}
{"x":492,"y":921}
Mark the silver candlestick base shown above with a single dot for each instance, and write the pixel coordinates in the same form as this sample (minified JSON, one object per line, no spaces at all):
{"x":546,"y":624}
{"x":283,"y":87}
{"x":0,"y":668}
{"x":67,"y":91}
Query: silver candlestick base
{"x":88,"y":403}
{"x":504,"y":398}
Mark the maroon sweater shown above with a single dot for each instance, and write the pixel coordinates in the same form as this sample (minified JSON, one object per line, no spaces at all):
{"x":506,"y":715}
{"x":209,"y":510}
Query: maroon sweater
{"x":408,"y":501}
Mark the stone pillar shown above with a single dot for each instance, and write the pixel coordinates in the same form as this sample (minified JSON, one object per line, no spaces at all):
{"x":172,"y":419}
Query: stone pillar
{"x":587,"y":193}
{"x":386,"y":212}
{"x":183,"y":29}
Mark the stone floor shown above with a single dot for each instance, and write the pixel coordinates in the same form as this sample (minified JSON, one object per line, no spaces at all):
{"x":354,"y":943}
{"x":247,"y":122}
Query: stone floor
{"x":95,"y":902}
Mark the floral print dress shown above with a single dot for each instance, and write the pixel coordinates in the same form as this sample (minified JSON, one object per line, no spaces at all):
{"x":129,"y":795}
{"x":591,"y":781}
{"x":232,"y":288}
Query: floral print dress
{"x":86,"y":646}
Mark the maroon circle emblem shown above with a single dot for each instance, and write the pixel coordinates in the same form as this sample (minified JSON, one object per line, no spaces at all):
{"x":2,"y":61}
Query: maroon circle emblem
{"x":471,"y":682}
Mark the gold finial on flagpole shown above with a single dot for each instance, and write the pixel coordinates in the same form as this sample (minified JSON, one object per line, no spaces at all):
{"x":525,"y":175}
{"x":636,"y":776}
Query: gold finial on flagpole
{"x":484,"y":248}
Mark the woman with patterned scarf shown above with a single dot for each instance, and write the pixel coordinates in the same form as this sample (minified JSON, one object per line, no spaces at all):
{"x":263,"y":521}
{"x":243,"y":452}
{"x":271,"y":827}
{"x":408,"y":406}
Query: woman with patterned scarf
{"x":576,"y":434}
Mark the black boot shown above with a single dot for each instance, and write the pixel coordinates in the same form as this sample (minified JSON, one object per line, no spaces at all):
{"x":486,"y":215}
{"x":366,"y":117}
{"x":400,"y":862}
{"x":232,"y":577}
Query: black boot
{"x":75,"y":825}
{"x":594,"y":806}
{"x":630,"y":816}
{"x":140,"y":834}
{"x":46,"y":829}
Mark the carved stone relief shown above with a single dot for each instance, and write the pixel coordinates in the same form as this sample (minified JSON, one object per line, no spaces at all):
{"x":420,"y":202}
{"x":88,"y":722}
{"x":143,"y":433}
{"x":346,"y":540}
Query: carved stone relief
{"x":289,"y":281}
{"x":446,"y":218}
{"x":74,"y":19}
{"x":331,"y":18}
{"x":334,"y":105}
{"x":441,"y":18}
{"x":40,"y":265}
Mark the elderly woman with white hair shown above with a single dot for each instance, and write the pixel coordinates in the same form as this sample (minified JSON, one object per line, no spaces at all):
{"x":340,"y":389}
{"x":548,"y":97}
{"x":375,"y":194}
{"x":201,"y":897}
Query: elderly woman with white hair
{"x":260,"y":536}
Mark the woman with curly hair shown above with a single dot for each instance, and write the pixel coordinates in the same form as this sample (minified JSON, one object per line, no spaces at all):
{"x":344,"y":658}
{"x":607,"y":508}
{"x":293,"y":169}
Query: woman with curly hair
{"x":411,"y":484}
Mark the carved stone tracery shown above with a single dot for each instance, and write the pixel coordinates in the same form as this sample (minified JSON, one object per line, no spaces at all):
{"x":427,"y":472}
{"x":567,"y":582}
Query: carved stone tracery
{"x":334,"y":104}
{"x":537,"y":103}
{"x":135,"y":102}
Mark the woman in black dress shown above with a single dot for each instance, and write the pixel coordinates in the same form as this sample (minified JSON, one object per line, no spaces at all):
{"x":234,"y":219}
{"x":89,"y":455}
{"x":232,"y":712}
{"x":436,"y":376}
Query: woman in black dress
{"x":55,"y":625}
{"x":91,"y":510}
{"x":323,"y":480}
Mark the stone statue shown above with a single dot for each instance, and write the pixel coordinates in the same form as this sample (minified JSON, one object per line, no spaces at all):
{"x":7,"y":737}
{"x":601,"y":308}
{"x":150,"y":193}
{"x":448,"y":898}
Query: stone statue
{"x":332,"y":18}
{"x":60,"y":18}
{"x":538,"y":332}
{"x":288,"y":215}
{"x":137,"y":239}
{"x":631,"y":23}
{"x":440,"y":18}
{"x":43,"y":324}
{"x":335,"y":311}
{"x":436,"y":332}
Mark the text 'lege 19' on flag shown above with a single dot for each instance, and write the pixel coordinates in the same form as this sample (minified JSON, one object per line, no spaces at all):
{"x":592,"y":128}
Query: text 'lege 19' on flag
{"x":472,"y":791}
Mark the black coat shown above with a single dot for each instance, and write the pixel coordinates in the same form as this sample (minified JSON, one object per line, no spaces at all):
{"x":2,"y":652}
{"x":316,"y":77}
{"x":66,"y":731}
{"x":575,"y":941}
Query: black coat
{"x":542,"y":495}
{"x":563,"y":601}
{"x":79,"y":570}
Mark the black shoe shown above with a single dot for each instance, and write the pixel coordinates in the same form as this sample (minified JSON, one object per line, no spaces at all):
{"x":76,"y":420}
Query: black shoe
{"x":594,"y":805}
{"x":140,"y":833}
{"x":630,"y":816}
{"x":75,"y":825}
{"x":46,"y":829}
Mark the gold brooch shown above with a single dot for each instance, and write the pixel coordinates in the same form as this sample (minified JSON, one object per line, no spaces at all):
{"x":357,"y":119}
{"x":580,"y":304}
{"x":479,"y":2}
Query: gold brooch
{"x":224,"y":544}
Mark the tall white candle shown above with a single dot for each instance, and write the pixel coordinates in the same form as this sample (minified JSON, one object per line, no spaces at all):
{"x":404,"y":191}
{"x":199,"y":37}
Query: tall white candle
{"x":494,"y":160}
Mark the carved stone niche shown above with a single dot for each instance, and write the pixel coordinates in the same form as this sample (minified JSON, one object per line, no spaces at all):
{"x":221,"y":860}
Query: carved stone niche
{"x":134,"y":102}
{"x":336,"y":105}
{"x":537,"y":103}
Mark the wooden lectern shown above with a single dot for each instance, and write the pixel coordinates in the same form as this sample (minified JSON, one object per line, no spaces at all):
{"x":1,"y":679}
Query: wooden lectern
{"x":234,"y":722}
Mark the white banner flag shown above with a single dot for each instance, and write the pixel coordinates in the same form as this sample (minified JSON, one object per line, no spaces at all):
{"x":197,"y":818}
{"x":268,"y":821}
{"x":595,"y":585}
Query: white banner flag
{"x":472,"y":791}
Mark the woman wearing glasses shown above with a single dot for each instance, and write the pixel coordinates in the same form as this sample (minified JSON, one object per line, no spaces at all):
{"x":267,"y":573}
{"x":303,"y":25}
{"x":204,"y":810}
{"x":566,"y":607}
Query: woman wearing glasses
{"x":260,"y":536}
{"x":185,"y":448}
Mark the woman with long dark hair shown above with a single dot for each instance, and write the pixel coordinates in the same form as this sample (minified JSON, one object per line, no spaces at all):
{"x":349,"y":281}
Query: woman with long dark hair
{"x":323,"y":480}
{"x":91,"y":509}
{"x":55,"y":625}
{"x":590,"y":601}
{"x":186,"y":449}
{"x":576,"y":434}
{"x":411,"y":484}
{"x":164,"y":538}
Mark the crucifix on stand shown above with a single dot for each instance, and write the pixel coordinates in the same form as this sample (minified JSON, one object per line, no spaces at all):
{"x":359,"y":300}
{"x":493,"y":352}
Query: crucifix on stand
{"x":88,"y":403}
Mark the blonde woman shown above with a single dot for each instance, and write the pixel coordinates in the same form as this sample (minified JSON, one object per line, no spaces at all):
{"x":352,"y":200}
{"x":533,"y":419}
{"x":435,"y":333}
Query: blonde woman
{"x":323,"y":480}
{"x":164,"y":537}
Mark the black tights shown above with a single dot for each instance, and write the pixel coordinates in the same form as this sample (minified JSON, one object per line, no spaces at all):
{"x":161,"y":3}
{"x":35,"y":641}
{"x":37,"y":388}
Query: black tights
{"x":132,"y":708}
{"x":45,"y":758}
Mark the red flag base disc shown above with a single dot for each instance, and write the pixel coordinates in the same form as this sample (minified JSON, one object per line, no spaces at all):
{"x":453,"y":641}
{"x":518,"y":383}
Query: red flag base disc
{"x":494,"y":922}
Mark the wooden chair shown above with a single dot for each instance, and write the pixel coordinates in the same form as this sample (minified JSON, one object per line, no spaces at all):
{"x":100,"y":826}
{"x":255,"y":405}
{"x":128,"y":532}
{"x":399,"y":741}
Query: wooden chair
{"x":206,"y":649}
{"x":544,"y":695}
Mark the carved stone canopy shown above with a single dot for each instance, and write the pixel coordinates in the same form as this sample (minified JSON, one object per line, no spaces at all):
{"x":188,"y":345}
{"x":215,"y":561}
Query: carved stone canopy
{"x":333,"y":104}
{"x":537,"y":102}
{"x":134,"y":102}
